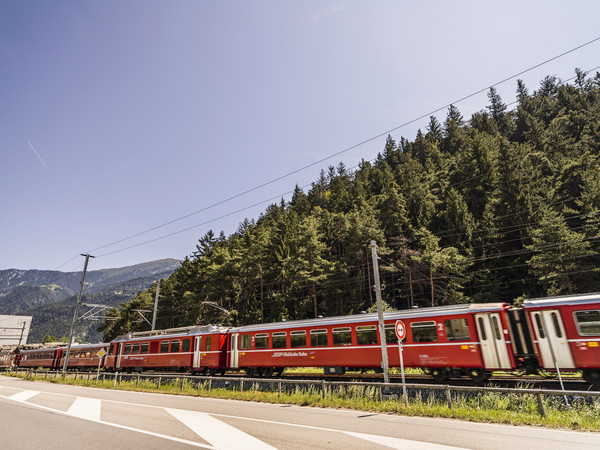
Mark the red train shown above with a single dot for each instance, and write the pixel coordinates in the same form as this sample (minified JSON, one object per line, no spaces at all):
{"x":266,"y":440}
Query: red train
{"x":560,"y":333}
{"x":81,"y":357}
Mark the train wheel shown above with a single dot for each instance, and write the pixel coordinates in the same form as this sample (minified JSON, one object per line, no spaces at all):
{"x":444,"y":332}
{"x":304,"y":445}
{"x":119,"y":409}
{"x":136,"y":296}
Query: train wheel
{"x":266,"y":372}
{"x":279,"y":372}
{"x":478,"y":375}
{"x":251,"y":372}
{"x":439,"y":374}
{"x":592,"y":376}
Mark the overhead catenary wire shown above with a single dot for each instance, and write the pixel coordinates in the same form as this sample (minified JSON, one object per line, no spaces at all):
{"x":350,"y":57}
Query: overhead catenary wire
{"x":322,"y":160}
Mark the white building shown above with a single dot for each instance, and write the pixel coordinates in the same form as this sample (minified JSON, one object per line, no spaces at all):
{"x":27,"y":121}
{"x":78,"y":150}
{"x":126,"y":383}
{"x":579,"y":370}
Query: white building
{"x":14,"y":330}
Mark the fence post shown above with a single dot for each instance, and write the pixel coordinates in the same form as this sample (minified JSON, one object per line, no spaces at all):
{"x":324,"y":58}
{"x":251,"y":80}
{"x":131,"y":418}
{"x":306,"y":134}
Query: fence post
{"x":137,"y":381}
{"x":323,"y":388}
{"x":279,"y":389}
{"x":241,"y":385}
{"x":541,"y":405}
{"x":158,"y":384}
{"x":182,"y":382}
{"x":89,"y":373}
{"x":115,"y":380}
{"x":448,"y":397}
{"x":209,"y":384}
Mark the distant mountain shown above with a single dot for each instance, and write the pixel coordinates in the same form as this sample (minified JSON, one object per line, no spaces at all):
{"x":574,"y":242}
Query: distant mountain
{"x":50,"y":296}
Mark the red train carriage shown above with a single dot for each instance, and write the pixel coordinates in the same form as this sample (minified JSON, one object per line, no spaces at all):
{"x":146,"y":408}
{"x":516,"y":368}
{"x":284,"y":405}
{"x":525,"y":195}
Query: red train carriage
{"x":8,"y":358}
{"x":448,"y":341}
{"x":566,"y":332}
{"x":48,"y":358}
{"x":84,"y":356}
{"x":196,"y":349}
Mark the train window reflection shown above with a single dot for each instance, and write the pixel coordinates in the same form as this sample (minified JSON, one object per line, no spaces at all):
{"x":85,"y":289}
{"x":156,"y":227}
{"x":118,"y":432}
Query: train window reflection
{"x":424,"y":331}
{"x":261,"y":340}
{"x":342,"y":336}
{"x":208,"y":342}
{"x":145,"y":346}
{"x":588,"y":322}
{"x":164,"y":346}
{"x":366,"y":335}
{"x":185,"y":345}
{"x":496,"y":328}
{"x":245,"y":341}
{"x":298,"y":338}
{"x":457,"y":330}
{"x":279,"y":340}
{"x":318,"y":338}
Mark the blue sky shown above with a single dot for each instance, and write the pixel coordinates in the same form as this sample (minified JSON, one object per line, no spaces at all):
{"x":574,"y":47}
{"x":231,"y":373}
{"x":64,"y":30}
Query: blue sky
{"x":119,"y":116}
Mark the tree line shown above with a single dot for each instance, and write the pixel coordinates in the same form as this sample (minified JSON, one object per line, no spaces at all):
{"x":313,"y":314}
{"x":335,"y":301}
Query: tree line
{"x":499,"y":207}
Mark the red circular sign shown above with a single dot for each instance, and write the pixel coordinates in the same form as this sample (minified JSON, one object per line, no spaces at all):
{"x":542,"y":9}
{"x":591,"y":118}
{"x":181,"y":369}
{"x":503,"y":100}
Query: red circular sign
{"x":400,"y":329}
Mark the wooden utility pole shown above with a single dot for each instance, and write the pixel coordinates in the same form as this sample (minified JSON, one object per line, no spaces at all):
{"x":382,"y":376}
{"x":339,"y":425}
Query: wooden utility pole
{"x":384,"y":355}
{"x":87,"y":258}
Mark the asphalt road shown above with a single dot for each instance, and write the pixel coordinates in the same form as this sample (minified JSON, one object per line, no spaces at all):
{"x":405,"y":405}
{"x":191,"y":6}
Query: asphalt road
{"x":50,"y":416}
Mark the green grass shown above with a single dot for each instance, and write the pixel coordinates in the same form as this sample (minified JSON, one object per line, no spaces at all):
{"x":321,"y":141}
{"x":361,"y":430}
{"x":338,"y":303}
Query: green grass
{"x":513,"y":409}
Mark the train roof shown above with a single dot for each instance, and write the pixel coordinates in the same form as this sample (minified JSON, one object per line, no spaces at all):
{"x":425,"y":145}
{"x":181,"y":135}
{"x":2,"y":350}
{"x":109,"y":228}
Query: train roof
{"x":373,"y":317}
{"x":583,"y":299}
{"x":171,"y":332}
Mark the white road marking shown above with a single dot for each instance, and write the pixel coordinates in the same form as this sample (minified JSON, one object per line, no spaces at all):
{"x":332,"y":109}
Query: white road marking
{"x":218,"y":433}
{"x":404,"y":444}
{"x":86,"y":408}
{"x":23,"y":396}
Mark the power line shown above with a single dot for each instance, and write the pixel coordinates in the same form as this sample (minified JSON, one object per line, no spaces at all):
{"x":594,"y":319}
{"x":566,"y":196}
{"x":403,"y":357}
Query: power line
{"x":345,"y":150}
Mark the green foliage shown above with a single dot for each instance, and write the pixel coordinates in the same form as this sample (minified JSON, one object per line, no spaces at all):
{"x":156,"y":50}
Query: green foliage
{"x":503,"y":206}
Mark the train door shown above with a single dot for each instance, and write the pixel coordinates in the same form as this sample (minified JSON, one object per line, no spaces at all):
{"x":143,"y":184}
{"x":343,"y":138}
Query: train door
{"x":119,"y":353}
{"x":493,"y":344}
{"x":552,"y":340}
{"x":197,"y":343}
{"x":234,"y":361}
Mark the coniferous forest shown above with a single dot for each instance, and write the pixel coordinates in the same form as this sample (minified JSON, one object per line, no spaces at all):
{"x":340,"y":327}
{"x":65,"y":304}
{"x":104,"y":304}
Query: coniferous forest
{"x":497,"y":207}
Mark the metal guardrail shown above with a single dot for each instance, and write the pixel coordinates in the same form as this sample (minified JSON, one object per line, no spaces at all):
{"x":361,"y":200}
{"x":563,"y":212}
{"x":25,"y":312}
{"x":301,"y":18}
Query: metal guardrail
{"x":385,"y":390}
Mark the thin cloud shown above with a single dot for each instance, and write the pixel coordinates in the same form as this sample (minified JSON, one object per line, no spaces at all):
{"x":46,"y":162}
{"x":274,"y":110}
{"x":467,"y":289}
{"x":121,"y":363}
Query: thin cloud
{"x":321,"y":14}
{"x":38,"y":155}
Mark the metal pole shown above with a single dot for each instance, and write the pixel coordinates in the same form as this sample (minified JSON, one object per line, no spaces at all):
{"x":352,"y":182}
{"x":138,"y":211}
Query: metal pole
{"x":87,"y":258}
{"x":155,"y":305}
{"x":404,"y":393}
{"x":22,"y":331}
{"x":384,"y":355}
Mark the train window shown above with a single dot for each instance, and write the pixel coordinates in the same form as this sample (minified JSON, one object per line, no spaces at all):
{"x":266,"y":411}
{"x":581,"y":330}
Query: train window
{"x":127,"y":349}
{"x":145,"y":346}
{"x":279,"y":340}
{"x":175,"y":346}
{"x":208,"y":342}
{"x":164,"y":346}
{"x":538,"y":322}
{"x":366,"y":335}
{"x":261,"y":340}
{"x":424,"y":331}
{"x":482,"y":329}
{"x":298,"y":338}
{"x":318,"y":338}
{"x":111,"y":350}
{"x":185,"y":345}
{"x":342,"y":336}
{"x":496,"y":328}
{"x":136,"y":348}
{"x":588,"y":322}
{"x":390,"y":334}
{"x":556,"y":324}
{"x":87,"y":354}
{"x":457,"y":330}
{"x":245,"y":341}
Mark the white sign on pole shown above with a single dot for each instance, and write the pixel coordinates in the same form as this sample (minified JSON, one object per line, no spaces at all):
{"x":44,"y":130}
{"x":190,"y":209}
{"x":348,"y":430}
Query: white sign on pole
{"x":401,"y":334}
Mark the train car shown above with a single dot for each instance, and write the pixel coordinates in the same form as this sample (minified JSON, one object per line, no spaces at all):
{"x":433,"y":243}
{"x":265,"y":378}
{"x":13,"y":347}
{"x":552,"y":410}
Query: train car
{"x":84,"y":357}
{"x":566,"y":333}
{"x":200,"y":349}
{"x":48,"y":358}
{"x":8,"y":358}
{"x":452,"y":341}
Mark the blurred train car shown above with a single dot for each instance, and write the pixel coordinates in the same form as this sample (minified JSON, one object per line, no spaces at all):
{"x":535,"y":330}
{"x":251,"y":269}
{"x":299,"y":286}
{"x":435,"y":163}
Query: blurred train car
{"x":566,"y":333}
{"x":201,"y":349}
